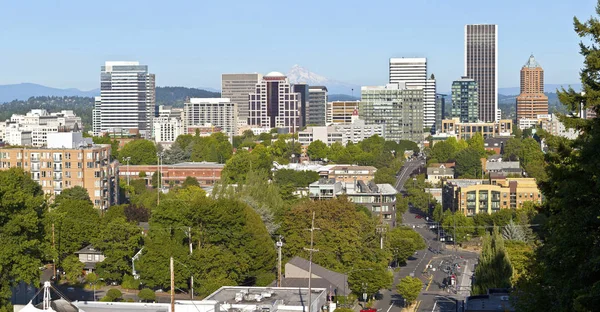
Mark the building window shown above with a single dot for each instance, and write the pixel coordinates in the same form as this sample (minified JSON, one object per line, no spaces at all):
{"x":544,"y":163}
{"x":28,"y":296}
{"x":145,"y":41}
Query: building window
{"x":90,"y":164}
{"x":97,"y":193}
{"x":89,"y":257}
{"x":79,"y":165}
{"x":68,"y":165}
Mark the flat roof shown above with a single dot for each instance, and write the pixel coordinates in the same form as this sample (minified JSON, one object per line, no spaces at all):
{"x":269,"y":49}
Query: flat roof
{"x":289,"y":296}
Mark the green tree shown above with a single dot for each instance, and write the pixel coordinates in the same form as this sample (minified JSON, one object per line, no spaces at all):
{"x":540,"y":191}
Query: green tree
{"x":494,"y":269}
{"x":476,"y":142}
{"x":238,"y":166}
{"x":73,"y":268}
{"x":463,"y":225}
{"x":119,"y":241}
{"x":438,"y":213}
{"x":385,"y":175}
{"x":114,"y":145}
{"x":564,"y":276}
{"x":403,"y":242}
{"x":113,"y":295}
{"x":520,"y":255}
{"x":369,"y":277}
{"x":142,"y":152}
{"x":147,"y":295}
{"x":443,"y":151}
{"x":317,"y":150}
{"x":409,"y":288}
{"x":76,"y":192}
{"x":468,"y":163}
{"x":190,"y":181}
{"x":21,"y":232}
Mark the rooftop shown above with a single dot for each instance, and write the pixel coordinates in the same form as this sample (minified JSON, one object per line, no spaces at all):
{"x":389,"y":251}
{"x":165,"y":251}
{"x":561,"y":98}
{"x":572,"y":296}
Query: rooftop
{"x":532,"y":63}
{"x":274,"y":74}
{"x":208,"y":100}
{"x":288,"y":296}
{"x":89,"y":249}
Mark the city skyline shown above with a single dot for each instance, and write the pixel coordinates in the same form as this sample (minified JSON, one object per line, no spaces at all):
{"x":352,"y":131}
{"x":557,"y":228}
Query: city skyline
{"x":165,"y":43}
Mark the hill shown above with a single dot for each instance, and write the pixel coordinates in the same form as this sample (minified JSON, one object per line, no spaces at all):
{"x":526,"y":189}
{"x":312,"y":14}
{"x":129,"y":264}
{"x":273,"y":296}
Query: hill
{"x":341,"y":97}
{"x":24,"y":91}
{"x":175,"y":96}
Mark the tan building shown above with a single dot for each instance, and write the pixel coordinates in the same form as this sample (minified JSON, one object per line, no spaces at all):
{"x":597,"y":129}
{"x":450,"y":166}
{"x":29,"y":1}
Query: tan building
{"x":207,"y":173}
{"x":342,"y":111}
{"x":532,"y":101}
{"x":473,"y":196}
{"x":57,"y":169}
{"x":350,"y":174}
{"x":465,"y":130}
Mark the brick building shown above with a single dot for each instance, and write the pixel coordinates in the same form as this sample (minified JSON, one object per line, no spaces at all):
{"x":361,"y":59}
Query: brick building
{"x":207,"y":173}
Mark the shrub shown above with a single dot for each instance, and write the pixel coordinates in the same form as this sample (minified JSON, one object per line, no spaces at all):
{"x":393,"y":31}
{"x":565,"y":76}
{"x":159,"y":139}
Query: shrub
{"x":147,"y":295}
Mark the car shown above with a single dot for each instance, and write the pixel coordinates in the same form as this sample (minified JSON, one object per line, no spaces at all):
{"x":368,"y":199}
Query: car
{"x":70,"y":289}
{"x":418,"y":217}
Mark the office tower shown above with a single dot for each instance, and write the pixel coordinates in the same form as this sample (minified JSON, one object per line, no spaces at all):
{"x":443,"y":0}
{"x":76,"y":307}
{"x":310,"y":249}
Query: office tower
{"x":127,"y":98}
{"x":218,"y":112}
{"x":273,"y":104}
{"x":67,"y":161}
{"x":465,"y":100}
{"x":481,"y":64}
{"x":532,"y":101}
{"x":413,"y":72}
{"x":399,"y":109}
{"x":302,"y":88}
{"x":96,"y":119}
{"x":237,"y":88}
{"x":440,"y":111}
{"x":342,"y":111}
{"x":317,"y":106}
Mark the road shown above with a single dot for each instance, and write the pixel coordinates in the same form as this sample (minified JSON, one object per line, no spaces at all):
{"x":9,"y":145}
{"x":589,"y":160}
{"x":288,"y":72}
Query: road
{"x":410,"y":167}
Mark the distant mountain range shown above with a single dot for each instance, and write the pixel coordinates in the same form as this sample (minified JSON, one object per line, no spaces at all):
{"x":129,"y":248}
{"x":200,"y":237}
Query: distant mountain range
{"x":23,"y":91}
{"x":299,"y":74}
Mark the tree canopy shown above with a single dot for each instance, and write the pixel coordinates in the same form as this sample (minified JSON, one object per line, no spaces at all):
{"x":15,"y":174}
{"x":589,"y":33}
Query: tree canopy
{"x":141,"y":152}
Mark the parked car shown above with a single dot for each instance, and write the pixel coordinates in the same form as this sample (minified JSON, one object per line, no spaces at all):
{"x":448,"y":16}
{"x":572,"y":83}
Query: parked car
{"x":418,"y":217}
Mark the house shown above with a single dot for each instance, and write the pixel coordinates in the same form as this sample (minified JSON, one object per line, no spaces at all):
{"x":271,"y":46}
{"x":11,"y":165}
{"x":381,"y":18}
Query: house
{"x":495,"y":144}
{"x":502,"y":167}
{"x":296,"y":275}
{"x":436,"y":174}
{"x":90,"y":256}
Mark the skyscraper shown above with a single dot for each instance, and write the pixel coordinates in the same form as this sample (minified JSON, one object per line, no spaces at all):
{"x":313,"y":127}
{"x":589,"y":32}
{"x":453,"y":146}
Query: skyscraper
{"x":316,"y":114}
{"x":532,"y":101}
{"x":465,"y":99}
{"x":481,"y":64}
{"x":302,"y":88}
{"x":127,"y":98}
{"x":218,"y":112}
{"x":413,"y":72}
{"x":396,"y":107}
{"x":440,"y":111}
{"x":273,"y":104}
{"x":237,"y":88}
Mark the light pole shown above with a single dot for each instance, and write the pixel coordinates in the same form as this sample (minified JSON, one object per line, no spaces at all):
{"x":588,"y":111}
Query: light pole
{"x":127,"y":159}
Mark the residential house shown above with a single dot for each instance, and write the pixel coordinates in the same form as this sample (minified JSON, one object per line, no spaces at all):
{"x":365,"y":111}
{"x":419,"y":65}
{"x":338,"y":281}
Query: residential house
{"x":495,"y":144}
{"x":502,"y":167}
{"x":90,"y":257}
{"x":438,"y":173}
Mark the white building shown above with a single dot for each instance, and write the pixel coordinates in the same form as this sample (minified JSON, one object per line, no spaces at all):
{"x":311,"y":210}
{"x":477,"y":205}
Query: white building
{"x":557,"y":128}
{"x":218,"y":112}
{"x":167,"y":129}
{"x":413,"y":72}
{"x":274,"y":104}
{"x":32,"y":129}
{"x":127,"y":98}
{"x":96,"y":120}
{"x":343,"y":133}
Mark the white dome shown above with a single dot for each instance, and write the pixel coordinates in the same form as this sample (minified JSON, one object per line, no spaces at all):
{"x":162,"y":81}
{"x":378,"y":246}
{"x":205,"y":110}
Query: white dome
{"x":274,"y":74}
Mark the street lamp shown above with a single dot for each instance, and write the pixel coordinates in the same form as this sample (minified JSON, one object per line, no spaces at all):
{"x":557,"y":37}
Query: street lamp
{"x":127,"y":159}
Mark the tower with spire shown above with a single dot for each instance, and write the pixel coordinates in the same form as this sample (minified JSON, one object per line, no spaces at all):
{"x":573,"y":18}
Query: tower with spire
{"x":532,"y":101}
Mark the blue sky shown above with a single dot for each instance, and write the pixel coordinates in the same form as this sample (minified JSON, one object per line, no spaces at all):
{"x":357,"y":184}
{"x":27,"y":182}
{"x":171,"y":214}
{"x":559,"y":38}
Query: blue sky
{"x":190,"y":43}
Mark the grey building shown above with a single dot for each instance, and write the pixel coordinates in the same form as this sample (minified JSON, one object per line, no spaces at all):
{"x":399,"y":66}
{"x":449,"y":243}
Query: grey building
{"x":398,"y":108}
{"x":465,"y":100}
{"x":237,"y":88}
{"x":440,"y":111}
{"x":127,"y":98}
{"x":302,"y":89}
{"x":317,"y":107}
{"x":481,"y":64}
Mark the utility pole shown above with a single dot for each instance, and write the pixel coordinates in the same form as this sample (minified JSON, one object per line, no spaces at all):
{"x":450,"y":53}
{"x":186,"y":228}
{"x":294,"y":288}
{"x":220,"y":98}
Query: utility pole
{"x":381,"y":227}
{"x":172,"y":286}
{"x":279,"y":244}
{"x":311,"y":250}
{"x":191,"y":276}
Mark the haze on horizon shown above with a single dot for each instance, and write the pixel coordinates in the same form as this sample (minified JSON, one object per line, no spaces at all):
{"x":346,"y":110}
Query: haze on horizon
{"x":190,"y":43}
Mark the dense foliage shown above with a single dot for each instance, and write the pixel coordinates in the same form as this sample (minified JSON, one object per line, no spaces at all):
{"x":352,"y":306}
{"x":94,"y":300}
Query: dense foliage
{"x":494,"y":269}
{"x":176,"y":96}
{"x":81,"y":106}
{"x":409,"y":288}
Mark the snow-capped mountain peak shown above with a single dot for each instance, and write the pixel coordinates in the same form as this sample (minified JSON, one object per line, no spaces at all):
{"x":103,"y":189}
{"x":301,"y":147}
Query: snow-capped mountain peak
{"x":299,"y":74}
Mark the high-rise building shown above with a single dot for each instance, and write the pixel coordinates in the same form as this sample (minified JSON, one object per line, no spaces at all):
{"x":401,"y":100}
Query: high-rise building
{"x":342,"y":111}
{"x":218,"y":112}
{"x":237,"y":88}
{"x":440,"y":111}
{"x":532,"y":101}
{"x":67,"y":161}
{"x":399,"y":109}
{"x":317,"y":106}
{"x":96,"y":120}
{"x":481,"y":64}
{"x":413,"y":72}
{"x":302,"y":88}
{"x":465,"y":100}
{"x":127,"y":98}
{"x":274,"y":104}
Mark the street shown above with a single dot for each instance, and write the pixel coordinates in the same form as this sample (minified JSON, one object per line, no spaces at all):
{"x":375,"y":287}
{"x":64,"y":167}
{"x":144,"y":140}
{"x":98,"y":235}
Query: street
{"x":410,"y":166}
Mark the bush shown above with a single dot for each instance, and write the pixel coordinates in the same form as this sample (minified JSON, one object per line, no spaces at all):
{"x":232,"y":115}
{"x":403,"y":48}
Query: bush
{"x":147,"y":295}
{"x":113,"y":295}
{"x":130,"y":283}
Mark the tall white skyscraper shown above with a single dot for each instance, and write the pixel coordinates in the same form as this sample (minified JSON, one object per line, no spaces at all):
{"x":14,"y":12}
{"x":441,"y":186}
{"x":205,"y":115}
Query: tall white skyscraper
{"x":127,"y":98}
{"x":413,"y":72}
{"x":481,"y":64}
{"x":237,"y":88}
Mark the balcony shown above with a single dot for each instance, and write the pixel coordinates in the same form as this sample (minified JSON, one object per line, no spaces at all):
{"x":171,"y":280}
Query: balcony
{"x":57,"y":168}
{"x":58,"y":186}
{"x":57,"y":159}
{"x":35,"y":159}
{"x":57,"y":177}
{"x":35,"y":168}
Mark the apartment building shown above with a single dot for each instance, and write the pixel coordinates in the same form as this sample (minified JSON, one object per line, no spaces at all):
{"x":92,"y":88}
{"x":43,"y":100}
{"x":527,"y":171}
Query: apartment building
{"x":473,"y":196}
{"x":342,"y":133}
{"x":465,"y":100}
{"x":465,"y":130}
{"x":399,"y":109}
{"x":217,"y":112}
{"x":36,"y":124}
{"x":67,"y":161}
{"x":316,"y":113}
